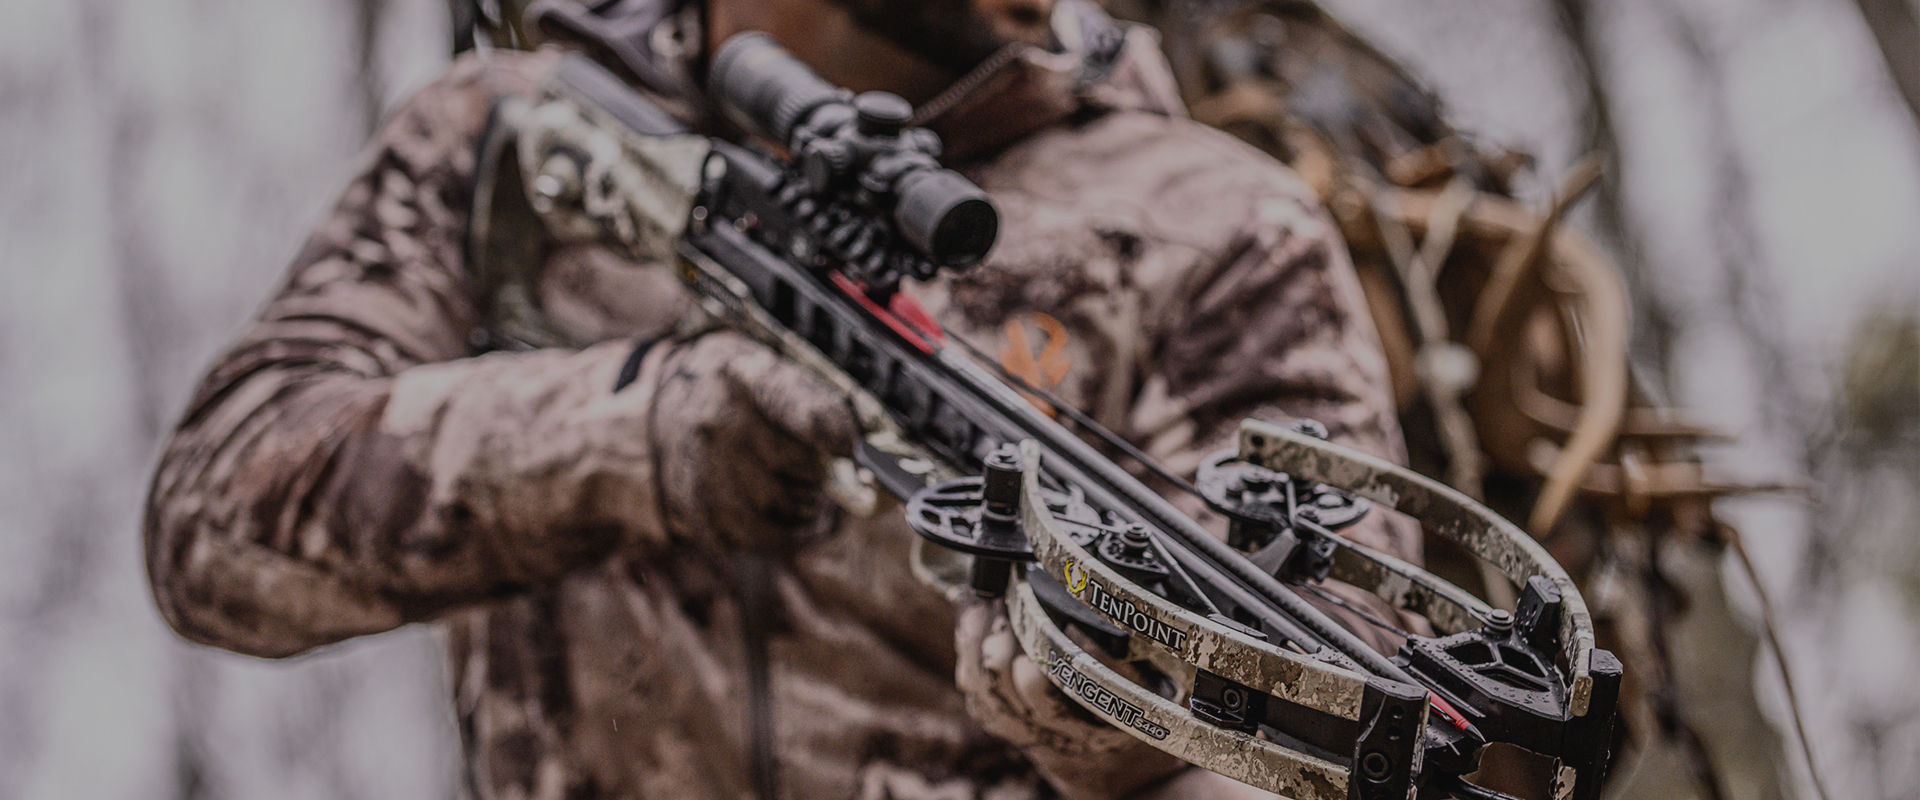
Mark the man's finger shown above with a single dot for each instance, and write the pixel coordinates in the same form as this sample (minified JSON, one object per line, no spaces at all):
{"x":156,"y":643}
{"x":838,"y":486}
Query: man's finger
{"x":1035,"y":690}
{"x":968,"y":632}
{"x":998,"y":648}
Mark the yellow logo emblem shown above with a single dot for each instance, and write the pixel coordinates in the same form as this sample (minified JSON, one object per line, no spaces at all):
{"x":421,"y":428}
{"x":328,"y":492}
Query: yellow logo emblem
{"x":1076,"y":577}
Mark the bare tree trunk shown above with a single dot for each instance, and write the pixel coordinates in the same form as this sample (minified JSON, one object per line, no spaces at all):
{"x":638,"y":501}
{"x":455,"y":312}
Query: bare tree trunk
{"x":366,"y":44}
{"x":1897,"y":30}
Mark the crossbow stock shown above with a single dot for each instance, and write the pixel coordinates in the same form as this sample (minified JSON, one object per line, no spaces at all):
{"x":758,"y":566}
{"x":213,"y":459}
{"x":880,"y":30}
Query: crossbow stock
{"x":805,"y":250}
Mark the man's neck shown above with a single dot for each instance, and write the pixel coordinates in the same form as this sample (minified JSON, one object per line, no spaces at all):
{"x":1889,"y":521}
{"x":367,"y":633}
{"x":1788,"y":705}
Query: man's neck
{"x":825,"y":36}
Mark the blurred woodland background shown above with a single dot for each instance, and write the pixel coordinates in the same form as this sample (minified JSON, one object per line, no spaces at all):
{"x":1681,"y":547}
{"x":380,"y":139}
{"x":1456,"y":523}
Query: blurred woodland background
{"x":162,"y":160}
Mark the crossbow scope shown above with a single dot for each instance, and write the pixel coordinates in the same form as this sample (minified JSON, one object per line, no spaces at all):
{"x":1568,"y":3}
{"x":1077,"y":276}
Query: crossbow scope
{"x":859,"y":149}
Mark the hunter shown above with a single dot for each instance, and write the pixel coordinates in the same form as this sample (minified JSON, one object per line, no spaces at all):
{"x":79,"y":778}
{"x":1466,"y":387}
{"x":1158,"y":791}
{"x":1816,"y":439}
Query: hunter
{"x":626,"y":531}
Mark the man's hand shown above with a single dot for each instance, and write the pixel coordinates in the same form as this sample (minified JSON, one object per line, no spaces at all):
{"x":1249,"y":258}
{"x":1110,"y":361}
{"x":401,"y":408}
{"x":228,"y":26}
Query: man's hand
{"x":1010,"y":695}
{"x":744,"y":440}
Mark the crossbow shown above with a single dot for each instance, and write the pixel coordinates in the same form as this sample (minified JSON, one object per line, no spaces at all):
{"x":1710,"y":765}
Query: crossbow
{"x":804,"y":245}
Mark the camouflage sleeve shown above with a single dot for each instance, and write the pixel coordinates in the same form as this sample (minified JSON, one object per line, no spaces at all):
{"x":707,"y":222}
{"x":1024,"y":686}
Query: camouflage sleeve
{"x":1278,"y":329}
{"x":344,"y":468}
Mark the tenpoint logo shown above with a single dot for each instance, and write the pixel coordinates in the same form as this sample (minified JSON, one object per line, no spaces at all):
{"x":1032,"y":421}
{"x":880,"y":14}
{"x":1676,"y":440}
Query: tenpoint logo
{"x":1080,"y":583}
{"x":1075,"y":575}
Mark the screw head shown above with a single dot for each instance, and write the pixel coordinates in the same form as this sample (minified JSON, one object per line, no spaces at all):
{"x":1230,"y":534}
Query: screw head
{"x":1375,"y":765}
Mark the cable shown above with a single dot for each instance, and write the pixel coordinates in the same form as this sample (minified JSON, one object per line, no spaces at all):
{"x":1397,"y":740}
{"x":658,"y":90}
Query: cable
{"x":1357,"y":611}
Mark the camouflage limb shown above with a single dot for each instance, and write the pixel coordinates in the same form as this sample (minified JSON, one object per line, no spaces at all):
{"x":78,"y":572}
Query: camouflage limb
{"x":1170,"y":727}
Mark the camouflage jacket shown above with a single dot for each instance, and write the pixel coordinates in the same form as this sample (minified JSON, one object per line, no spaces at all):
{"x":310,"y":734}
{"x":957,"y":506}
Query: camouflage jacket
{"x":353,"y":463}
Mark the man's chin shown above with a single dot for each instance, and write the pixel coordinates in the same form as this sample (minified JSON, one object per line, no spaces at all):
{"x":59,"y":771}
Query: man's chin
{"x":950,"y":34}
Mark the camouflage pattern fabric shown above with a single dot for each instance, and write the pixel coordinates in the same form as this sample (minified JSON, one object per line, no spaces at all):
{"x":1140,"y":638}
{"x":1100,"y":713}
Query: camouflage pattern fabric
{"x":355,"y":462}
